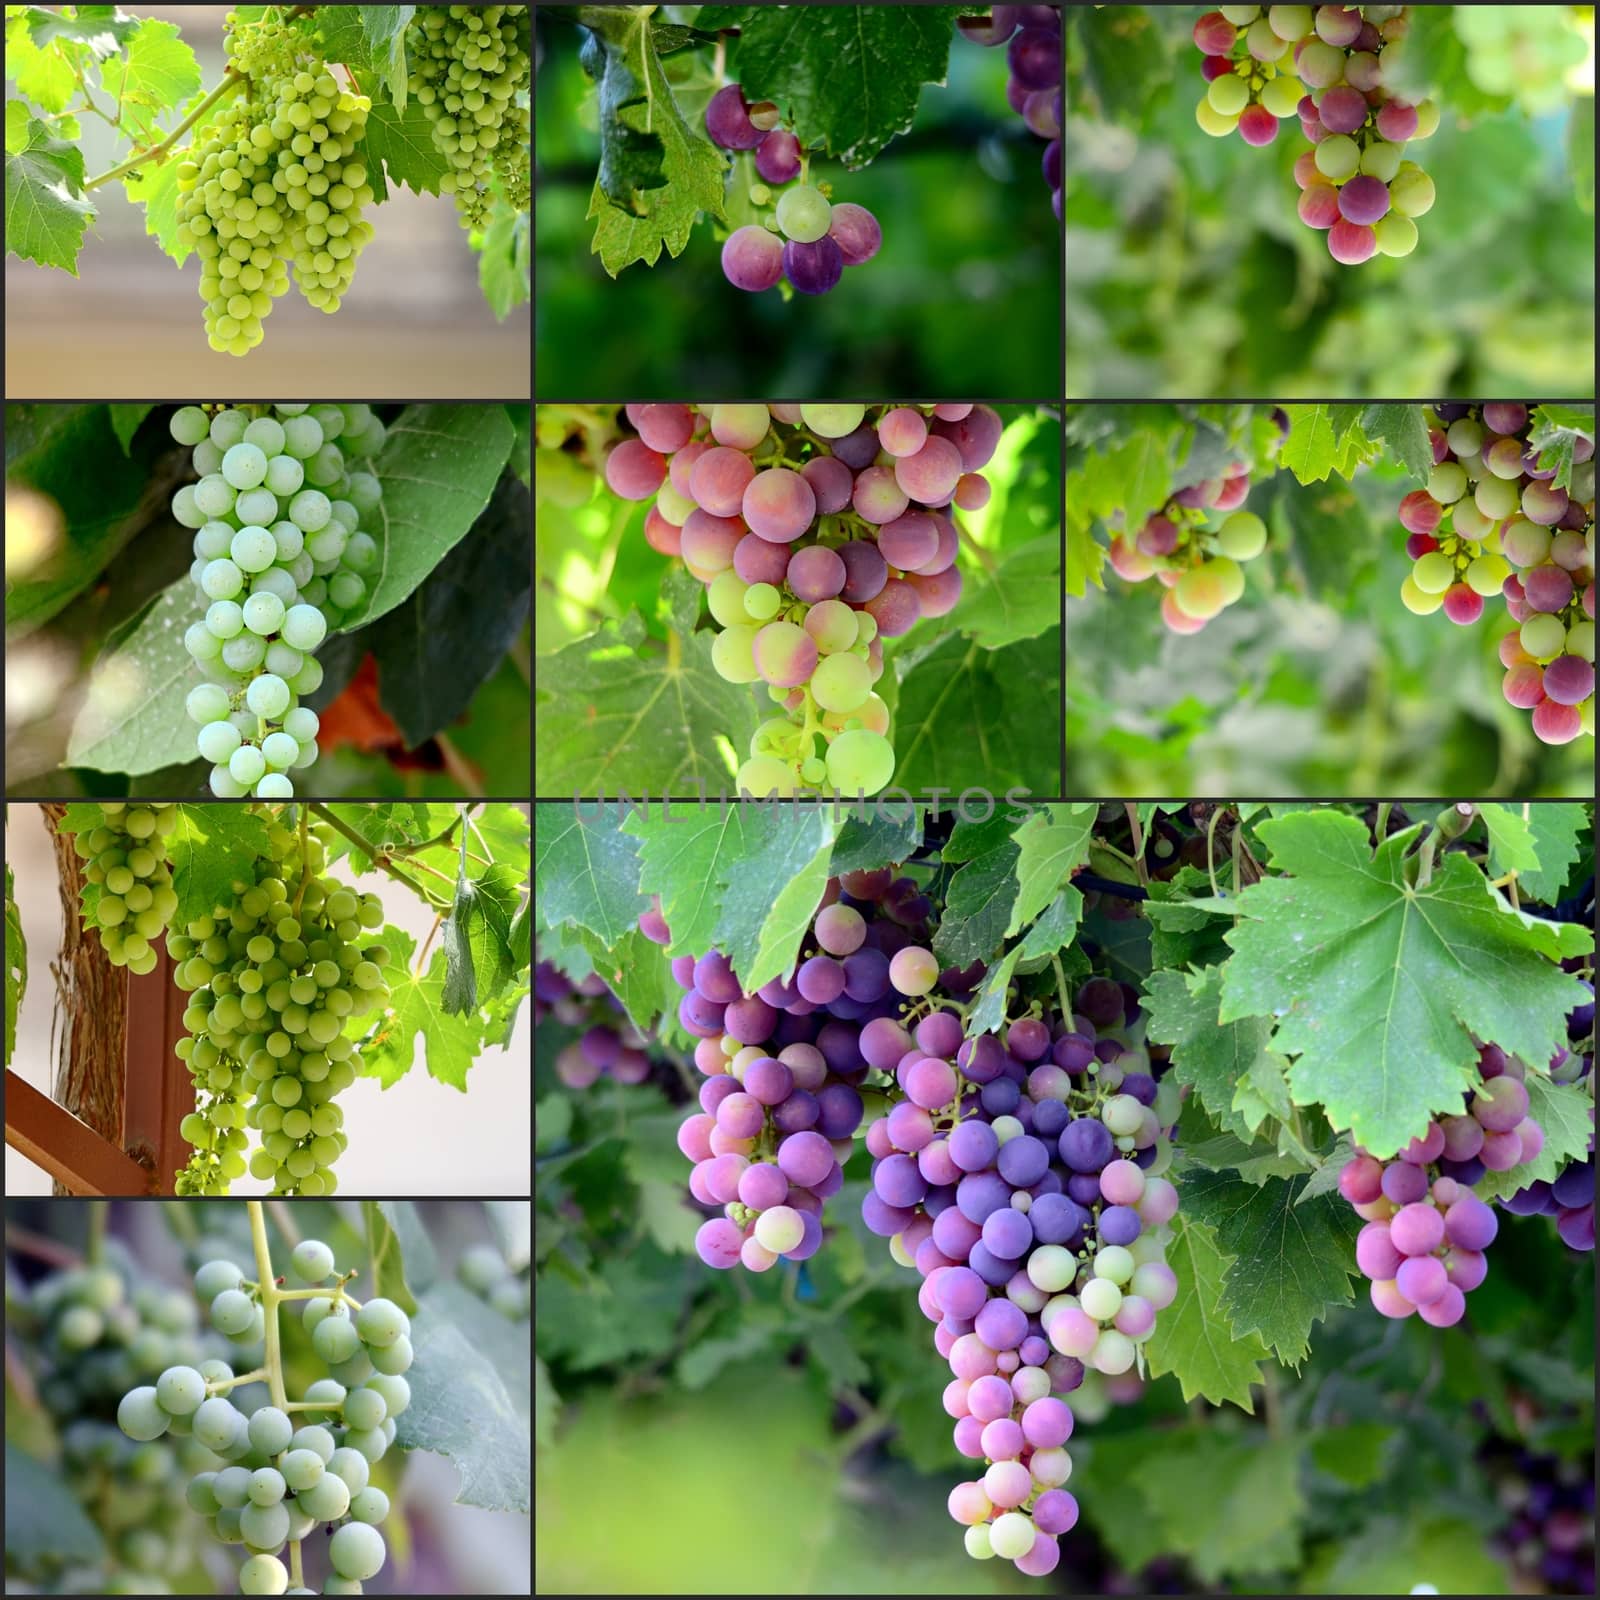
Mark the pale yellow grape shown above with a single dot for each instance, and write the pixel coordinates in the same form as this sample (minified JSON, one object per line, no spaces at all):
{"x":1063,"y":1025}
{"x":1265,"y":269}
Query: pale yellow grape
{"x":1219,"y":127}
{"x":1411,"y":193}
{"x":1338,"y":156}
{"x":1434,"y":572}
{"x":726,"y":599}
{"x":1381,"y":160}
{"x":1447,"y":483}
{"x":764,"y":775}
{"x":1283,"y":95}
{"x":1228,"y":95}
{"x":1419,"y":601}
{"x":1487,"y":575}
{"x":1543,"y":637}
{"x":841,"y":683}
{"x":733,"y":653}
{"x":1230,"y":575}
{"x":1243,"y":536}
{"x":1200,"y":593}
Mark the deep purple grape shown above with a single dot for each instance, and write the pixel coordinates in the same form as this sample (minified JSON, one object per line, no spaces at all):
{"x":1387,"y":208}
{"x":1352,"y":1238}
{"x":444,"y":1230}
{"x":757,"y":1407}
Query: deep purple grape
{"x":728,"y":120}
{"x":1034,"y":57}
{"x":813,"y":268}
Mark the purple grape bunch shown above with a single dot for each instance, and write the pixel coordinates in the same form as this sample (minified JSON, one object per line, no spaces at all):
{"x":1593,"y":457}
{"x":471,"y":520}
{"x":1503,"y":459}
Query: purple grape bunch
{"x":1569,"y":1197}
{"x":783,"y":1066}
{"x":1426,"y":1230}
{"x":808,"y":239}
{"x":1033,"y":39}
{"x":610,"y":1045}
{"x":1021,"y":1176}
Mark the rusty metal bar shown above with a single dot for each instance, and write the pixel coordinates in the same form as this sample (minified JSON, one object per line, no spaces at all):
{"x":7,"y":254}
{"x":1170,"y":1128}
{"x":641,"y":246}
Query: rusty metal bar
{"x":157,"y":1091}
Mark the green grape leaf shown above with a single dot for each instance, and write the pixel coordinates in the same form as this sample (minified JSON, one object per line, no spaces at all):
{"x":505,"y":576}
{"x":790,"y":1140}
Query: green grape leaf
{"x":426,"y":512}
{"x":1356,"y":1453}
{"x":211,"y":848}
{"x":1385,"y":1554}
{"x":1192,"y":1339}
{"x":1290,"y":1262}
{"x":400,"y":147}
{"x":1051,"y":845}
{"x":417,"y":1009}
{"x":847,"y":78}
{"x":43,"y":74}
{"x":155,"y":187}
{"x":447,"y":637}
{"x":18,"y":117}
{"x":657,"y":173}
{"x":46,"y":218}
{"x":1324,"y":441}
{"x":125,"y":420}
{"x":133,"y":718}
{"x":45,"y":1525}
{"x":1541,"y":847}
{"x":969,"y":716}
{"x":1326,"y":948}
{"x":1402,"y":427}
{"x":1021,"y":600}
{"x":505,"y":255}
{"x":594,"y":698}
{"x":159,"y":70}
{"x":586,"y":870}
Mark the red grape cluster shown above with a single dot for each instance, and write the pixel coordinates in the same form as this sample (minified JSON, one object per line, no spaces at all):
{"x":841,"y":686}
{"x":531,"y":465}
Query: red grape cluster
{"x":807,"y":239}
{"x":1426,"y":1233}
{"x":610,"y":1046}
{"x":781,"y":1101}
{"x":1325,"y":64}
{"x":1198,"y":565}
{"x":819,"y":531}
{"x":1033,"y":37}
{"x":1493,"y":520}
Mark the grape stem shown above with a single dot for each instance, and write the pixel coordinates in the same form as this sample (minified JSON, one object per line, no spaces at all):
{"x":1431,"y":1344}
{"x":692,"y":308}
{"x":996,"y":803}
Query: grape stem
{"x":379,"y":856}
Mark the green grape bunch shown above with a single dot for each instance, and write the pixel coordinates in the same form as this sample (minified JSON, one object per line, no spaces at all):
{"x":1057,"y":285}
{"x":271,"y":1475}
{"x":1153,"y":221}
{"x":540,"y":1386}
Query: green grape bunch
{"x":468,"y":64}
{"x":133,"y":899}
{"x":87,"y":1340}
{"x":290,"y":1467}
{"x":281,"y":560}
{"x":274,"y":978}
{"x":278,"y":179}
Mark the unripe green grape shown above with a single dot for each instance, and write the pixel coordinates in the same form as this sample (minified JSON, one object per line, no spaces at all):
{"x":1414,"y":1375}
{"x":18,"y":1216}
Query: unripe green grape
{"x":1337,"y":157}
{"x":221,"y":579}
{"x":264,"y":1527}
{"x":265,"y":1574}
{"x":231,"y":1488}
{"x":225,"y":619}
{"x":1228,"y":94}
{"x":804,"y":215}
{"x":263,"y":613}
{"x":189,"y":425}
{"x":268,"y":696}
{"x":357,"y":1551}
{"x":860,"y":762}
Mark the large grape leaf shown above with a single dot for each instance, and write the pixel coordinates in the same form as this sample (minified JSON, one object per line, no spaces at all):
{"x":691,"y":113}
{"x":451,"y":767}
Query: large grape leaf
{"x":586,"y":869}
{"x":46,"y":214}
{"x":1291,"y":1258}
{"x":967,"y":716}
{"x":1381,"y":987}
{"x":609,"y":714}
{"x":657,"y":172}
{"x":847,"y":78}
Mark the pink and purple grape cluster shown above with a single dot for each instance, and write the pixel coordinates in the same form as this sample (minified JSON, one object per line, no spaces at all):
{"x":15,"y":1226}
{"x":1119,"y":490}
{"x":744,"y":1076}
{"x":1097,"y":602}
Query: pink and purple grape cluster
{"x":807,"y":240}
{"x":781,"y":1102}
{"x":819,"y":531}
{"x":610,"y":1046}
{"x":1493,"y":521}
{"x":1033,"y":39}
{"x":1020,"y":1175}
{"x":1426,"y":1231}
{"x":1200,"y":567}
{"x":1326,"y":65}
{"x":1549,"y":1537}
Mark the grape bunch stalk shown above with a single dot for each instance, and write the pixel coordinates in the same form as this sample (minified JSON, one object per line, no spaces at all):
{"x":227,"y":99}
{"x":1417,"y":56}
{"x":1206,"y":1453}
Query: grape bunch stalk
{"x":1497,"y":519}
{"x":1032,"y":35}
{"x":1326,"y":65}
{"x":280,"y":560}
{"x":819,"y":531}
{"x":1426,"y":1230}
{"x":468,"y":65}
{"x":287,"y":1475}
{"x":1199,"y":566}
{"x":807,"y":239}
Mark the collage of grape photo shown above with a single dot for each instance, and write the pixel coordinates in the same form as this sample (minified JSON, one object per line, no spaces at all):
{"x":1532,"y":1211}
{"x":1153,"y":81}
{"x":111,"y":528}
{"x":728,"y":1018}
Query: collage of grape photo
{"x":269,"y":773}
{"x":1064,"y":799}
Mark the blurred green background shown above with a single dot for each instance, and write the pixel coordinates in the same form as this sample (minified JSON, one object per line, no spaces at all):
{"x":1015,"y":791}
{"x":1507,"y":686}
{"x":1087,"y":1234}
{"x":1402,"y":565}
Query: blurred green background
{"x":964,"y":297}
{"x":1191,"y":274}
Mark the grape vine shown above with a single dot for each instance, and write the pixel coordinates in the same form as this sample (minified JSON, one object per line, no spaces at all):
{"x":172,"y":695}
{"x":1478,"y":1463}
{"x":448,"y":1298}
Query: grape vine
{"x":1355,"y":183}
{"x":818,"y":530}
{"x":280,"y":560}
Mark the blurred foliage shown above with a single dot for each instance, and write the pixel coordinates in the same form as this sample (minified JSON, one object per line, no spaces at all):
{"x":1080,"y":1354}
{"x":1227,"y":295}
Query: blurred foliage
{"x":784,"y":1433}
{"x":964,"y":296}
{"x":1191,"y":273}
